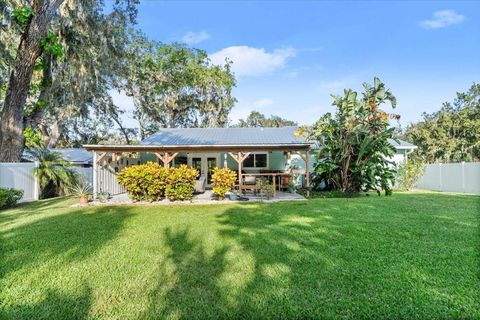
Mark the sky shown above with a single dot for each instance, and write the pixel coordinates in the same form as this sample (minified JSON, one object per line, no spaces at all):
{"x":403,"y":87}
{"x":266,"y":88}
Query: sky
{"x":289,"y":57}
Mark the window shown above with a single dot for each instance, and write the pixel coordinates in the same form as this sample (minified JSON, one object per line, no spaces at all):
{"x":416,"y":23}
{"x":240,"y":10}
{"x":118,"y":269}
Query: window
{"x":179,"y":160}
{"x":256,"y":160}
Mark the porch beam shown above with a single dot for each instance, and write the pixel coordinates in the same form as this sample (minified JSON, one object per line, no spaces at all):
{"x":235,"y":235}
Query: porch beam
{"x":101,"y":157}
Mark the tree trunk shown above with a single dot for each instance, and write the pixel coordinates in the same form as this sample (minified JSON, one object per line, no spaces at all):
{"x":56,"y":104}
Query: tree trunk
{"x":11,"y":124}
{"x":35,"y":119}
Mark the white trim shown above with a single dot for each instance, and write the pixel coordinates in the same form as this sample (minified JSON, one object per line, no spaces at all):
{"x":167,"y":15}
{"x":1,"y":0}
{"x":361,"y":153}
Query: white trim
{"x":95,"y":177}
{"x":254,"y":155}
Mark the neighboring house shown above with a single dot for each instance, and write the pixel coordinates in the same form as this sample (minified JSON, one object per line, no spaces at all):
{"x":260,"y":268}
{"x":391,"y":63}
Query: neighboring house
{"x":245,"y":150}
{"x":403,"y":150}
{"x":78,"y":157}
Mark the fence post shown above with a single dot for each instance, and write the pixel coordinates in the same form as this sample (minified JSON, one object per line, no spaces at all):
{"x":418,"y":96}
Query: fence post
{"x":463,"y":176}
{"x":440,"y":176}
{"x":95,"y":174}
{"x":36,"y":187}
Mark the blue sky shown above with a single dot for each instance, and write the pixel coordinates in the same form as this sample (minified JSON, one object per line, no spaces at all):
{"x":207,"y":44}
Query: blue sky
{"x":290,"y":56}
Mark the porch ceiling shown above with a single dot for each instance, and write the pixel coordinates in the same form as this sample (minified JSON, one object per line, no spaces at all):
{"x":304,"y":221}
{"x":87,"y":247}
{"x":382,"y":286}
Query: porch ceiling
{"x":197,"y":148}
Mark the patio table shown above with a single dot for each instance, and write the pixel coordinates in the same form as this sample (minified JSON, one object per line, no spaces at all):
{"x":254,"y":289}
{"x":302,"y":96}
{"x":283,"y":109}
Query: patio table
{"x":274,"y":176}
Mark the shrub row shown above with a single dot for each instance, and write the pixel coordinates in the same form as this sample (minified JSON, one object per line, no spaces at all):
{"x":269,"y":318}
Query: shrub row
{"x":9,"y":197}
{"x":152,"y":182}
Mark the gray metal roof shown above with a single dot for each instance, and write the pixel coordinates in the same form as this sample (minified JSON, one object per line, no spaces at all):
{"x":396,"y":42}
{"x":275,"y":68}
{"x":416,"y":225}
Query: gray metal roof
{"x":236,"y":136}
{"x":75,"y":155}
{"x":401,"y":144}
{"x":224,"y":136}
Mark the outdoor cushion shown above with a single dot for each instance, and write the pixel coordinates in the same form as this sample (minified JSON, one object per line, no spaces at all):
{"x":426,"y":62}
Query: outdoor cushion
{"x":200,"y":185}
{"x":249,"y":180}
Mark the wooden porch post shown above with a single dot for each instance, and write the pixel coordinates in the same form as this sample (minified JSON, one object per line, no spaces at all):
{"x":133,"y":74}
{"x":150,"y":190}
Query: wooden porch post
{"x":239,"y":158}
{"x":307,"y":172}
{"x":306,"y":158}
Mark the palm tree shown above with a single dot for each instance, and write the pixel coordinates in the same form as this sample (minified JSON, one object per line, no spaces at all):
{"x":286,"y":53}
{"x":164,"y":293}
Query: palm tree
{"x":54,"y":173}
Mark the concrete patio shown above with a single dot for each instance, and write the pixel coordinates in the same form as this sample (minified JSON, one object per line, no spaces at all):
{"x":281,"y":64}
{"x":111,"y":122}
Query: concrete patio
{"x":204,"y":198}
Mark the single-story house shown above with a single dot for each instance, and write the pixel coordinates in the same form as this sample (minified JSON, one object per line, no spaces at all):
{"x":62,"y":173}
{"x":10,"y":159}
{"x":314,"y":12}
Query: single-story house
{"x":249,"y":151}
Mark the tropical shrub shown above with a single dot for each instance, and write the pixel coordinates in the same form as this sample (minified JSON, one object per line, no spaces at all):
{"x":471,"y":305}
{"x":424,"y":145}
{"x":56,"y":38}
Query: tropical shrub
{"x":408,"y":173}
{"x":180,"y":183}
{"x":144,"y":182}
{"x":9,"y":197}
{"x":355,"y":151}
{"x":223,"y":181}
{"x":55,"y":174}
{"x":265,"y":188}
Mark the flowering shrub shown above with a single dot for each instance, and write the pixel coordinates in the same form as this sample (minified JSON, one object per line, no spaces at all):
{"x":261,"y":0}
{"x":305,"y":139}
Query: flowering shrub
{"x":223,"y":181}
{"x":145,"y":181}
{"x":180,"y":183}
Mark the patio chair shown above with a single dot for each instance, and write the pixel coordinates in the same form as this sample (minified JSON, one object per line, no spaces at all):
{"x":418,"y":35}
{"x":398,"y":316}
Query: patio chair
{"x":200,"y":185}
{"x":249,"y":183}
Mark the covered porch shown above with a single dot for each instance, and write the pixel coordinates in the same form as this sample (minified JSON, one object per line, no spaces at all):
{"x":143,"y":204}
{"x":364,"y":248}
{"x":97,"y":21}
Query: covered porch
{"x":250,"y":162}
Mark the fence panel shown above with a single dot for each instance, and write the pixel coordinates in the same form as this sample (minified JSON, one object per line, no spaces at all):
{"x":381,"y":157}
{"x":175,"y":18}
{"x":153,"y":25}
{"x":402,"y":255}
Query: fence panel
{"x":452,"y":177}
{"x":107,"y":181}
{"x":20,"y":176}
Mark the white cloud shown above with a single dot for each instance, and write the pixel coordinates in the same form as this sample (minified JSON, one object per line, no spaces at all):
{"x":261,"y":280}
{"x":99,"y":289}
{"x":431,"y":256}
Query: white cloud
{"x":195,"y":37}
{"x":442,"y":19}
{"x":265,"y":102}
{"x":248,"y":61}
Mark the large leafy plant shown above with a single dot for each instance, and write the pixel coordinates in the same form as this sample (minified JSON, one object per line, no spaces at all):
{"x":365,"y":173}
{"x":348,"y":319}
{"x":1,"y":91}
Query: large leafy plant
{"x":354,"y":149}
{"x":180,"y":183}
{"x":55,"y":174}
{"x":152,"y":182}
{"x":144,"y":182}
{"x":223,"y":181}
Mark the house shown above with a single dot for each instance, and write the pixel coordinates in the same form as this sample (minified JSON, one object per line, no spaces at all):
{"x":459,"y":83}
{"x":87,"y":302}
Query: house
{"x":249,"y":151}
{"x":78,"y":157}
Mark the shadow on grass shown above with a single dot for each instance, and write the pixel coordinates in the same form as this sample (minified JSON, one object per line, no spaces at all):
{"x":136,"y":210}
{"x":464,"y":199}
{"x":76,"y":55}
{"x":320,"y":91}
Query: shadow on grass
{"x":186,"y":280}
{"x":268,"y":264}
{"x":343,"y":258}
{"x":54,"y":305}
{"x":27,"y":209}
{"x":68,"y":237}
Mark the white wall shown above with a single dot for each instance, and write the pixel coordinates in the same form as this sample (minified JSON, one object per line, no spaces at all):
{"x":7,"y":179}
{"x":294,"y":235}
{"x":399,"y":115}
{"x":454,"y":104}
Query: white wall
{"x":20,"y":176}
{"x":452,"y":177}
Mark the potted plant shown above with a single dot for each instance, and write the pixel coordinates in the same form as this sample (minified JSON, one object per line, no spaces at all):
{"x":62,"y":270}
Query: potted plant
{"x":81,"y":190}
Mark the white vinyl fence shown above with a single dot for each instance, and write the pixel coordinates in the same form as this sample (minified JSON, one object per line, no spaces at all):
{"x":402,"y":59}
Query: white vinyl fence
{"x":105,"y":180}
{"x":20,"y":176}
{"x":452,"y":177}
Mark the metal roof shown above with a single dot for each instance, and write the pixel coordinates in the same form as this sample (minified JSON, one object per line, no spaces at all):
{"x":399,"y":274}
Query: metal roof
{"x":216,"y":139}
{"x":400,"y":144}
{"x":73,"y":155}
{"x":225,"y":137}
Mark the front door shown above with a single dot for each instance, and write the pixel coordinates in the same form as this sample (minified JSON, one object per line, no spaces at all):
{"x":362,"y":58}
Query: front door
{"x":204,"y":163}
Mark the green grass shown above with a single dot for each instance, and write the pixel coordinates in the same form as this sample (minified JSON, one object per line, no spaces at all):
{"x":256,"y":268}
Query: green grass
{"x":411,"y":255}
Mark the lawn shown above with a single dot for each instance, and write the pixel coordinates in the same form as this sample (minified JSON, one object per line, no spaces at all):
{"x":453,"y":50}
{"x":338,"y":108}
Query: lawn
{"x":411,"y":255}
